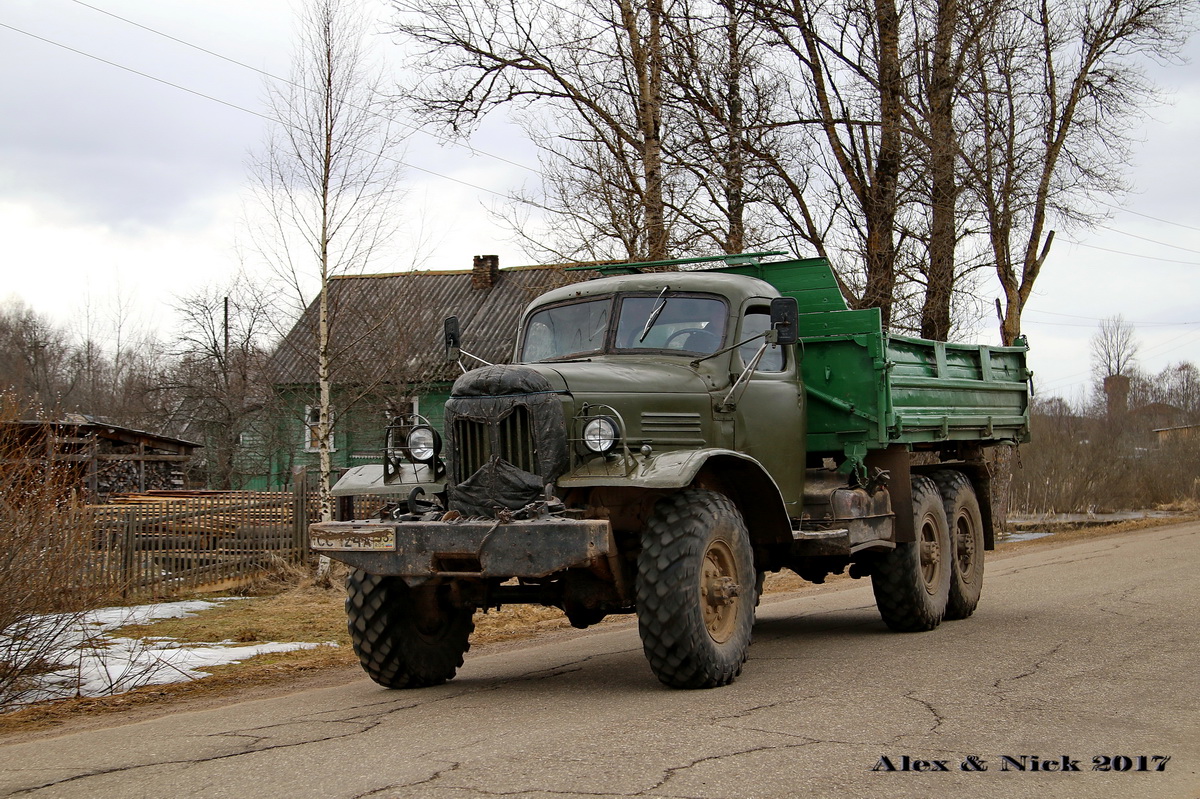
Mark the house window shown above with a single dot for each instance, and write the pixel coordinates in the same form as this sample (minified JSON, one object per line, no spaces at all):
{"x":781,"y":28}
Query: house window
{"x":407,"y":406}
{"x":312,"y":423}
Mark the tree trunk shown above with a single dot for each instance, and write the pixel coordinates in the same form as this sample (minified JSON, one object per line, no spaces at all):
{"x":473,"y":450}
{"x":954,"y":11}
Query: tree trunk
{"x":735,"y":160}
{"x":935,"y":314}
{"x":647,"y":57}
{"x":881,"y":192}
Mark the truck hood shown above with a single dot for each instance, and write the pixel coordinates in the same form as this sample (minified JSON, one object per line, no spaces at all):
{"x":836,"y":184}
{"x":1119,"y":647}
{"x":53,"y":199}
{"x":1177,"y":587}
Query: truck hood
{"x":626,"y":376}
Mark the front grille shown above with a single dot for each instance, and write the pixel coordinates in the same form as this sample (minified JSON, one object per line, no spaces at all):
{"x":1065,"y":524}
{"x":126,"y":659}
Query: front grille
{"x":511,"y":439}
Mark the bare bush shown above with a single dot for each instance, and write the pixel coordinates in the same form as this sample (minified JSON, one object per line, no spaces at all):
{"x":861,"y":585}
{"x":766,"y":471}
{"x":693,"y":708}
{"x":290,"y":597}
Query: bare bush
{"x":46,"y":556}
{"x":1078,"y":464}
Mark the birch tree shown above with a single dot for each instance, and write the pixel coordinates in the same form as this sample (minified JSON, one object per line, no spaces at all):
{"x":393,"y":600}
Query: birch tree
{"x":328,"y":180}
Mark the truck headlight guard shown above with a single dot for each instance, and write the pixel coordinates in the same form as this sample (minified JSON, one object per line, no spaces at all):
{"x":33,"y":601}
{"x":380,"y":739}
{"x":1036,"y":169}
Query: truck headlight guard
{"x":600,"y":434}
{"x":424,"y":444}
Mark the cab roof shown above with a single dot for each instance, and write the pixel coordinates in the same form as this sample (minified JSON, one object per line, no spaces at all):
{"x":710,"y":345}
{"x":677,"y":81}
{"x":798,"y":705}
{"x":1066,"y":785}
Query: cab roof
{"x":736,"y":288}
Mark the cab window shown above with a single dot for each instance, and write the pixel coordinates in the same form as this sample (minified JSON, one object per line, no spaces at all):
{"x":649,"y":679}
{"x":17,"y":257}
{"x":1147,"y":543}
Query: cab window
{"x":756,"y":322}
{"x":563,"y":331}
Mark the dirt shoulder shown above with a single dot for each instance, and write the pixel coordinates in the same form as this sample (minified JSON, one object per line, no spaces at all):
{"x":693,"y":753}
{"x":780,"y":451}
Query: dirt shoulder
{"x":309,"y":613}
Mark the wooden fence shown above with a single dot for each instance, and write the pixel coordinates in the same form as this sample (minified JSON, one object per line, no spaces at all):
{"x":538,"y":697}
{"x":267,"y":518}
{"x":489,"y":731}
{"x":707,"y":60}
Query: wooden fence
{"x":163,"y":543}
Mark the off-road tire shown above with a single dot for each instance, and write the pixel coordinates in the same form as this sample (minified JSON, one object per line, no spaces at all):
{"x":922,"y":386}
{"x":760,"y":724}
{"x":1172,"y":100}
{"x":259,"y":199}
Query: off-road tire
{"x":912,"y":581}
{"x":396,"y":648}
{"x":966,"y":541}
{"x":696,"y":590}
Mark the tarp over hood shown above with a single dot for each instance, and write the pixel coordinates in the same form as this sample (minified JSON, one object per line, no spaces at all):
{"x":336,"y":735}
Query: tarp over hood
{"x":483,"y":399}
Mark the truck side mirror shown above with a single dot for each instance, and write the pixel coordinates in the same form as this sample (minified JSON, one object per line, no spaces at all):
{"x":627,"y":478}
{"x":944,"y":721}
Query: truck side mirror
{"x":453,"y":338}
{"x":785,"y":319}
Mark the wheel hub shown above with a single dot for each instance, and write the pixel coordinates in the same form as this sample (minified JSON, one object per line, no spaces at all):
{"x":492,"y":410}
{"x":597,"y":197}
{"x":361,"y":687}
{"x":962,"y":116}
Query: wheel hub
{"x":719,"y":591}
{"x":965,"y":546}
{"x":931,"y":556}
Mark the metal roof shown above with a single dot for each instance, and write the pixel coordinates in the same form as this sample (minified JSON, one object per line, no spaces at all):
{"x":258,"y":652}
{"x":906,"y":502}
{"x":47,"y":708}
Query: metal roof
{"x":388,"y":328}
{"x":81,"y":425}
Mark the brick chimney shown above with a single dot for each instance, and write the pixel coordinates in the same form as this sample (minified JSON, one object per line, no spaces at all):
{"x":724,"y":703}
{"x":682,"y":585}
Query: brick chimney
{"x":485,"y":271}
{"x":1116,"y":392}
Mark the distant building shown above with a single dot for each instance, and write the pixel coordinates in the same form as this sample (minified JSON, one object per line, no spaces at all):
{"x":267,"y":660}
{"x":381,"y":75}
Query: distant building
{"x":1174,"y":435}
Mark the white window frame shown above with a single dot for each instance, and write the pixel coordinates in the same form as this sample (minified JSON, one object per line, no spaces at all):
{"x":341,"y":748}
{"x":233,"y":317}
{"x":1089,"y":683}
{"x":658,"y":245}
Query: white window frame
{"x":416,"y":407}
{"x":310,"y":433}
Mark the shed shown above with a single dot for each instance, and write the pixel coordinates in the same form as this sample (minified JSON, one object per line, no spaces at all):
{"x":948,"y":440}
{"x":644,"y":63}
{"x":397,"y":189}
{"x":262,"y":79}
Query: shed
{"x":104,"y":458}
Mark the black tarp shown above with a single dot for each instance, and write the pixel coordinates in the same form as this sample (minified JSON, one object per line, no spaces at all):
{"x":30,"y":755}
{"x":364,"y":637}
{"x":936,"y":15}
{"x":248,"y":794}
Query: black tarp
{"x":487,"y":396}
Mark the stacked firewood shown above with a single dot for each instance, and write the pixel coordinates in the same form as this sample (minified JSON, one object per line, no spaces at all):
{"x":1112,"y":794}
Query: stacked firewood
{"x":210,"y":518}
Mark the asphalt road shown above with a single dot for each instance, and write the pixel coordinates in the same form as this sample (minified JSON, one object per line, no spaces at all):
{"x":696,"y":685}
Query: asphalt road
{"x":1077,"y":652}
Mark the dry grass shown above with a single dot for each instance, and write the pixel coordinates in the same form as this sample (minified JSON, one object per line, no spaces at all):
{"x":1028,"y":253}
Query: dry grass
{"x":48,"y":561}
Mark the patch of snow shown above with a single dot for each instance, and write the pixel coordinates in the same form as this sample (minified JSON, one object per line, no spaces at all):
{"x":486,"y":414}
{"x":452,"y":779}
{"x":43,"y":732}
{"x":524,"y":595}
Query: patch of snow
{"x":99,"y":665}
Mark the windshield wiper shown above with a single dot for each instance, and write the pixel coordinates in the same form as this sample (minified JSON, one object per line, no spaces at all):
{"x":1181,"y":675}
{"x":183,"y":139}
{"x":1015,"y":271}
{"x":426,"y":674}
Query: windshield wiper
{"x":658,"y":309}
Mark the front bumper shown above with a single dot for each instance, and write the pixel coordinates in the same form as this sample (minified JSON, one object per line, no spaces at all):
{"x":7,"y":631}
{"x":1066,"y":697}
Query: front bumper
{"x":460,"y":548}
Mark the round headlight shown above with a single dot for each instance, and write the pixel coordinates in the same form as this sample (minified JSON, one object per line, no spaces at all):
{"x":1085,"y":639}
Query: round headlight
{"x":422,"y":444}
{"x":600,"y":434}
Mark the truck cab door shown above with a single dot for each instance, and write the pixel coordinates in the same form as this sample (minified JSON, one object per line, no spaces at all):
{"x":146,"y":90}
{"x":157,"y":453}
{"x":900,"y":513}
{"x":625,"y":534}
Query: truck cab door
{"x":769,"y":416}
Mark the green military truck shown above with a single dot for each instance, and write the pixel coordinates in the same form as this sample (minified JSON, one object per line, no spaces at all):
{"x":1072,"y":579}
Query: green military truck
{"x":663,"y":440}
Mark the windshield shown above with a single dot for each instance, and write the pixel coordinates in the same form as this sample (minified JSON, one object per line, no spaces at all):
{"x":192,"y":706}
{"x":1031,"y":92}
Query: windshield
{"x":688,"y":324}
{"x":664,"y":321}
{"x":565,"y":330}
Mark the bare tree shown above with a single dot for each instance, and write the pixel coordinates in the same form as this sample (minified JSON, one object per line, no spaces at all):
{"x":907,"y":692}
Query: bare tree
{"x":328,"y":179}
{"x":120,"y":365}
{"x":722,"y":99}
{"x":1114,"y":348}
{"x":938,"y":58}
{"x":1181,"y":388}
{"x":38,"y":364}
{"x":1055,"y":89}
{"x":217,"y":382}
{"x":593,"y":73}
{"x":851,"y":88}
{"x":47,"y":552}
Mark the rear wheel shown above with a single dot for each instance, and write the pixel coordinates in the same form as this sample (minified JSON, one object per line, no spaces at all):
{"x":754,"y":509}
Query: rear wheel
{"x":966,"y":542}
{"x":912,"y":581}
{"x":405,"y":637}
{"x":696,"y":590}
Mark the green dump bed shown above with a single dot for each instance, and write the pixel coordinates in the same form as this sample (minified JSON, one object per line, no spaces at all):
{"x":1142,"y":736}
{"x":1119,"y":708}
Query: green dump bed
{"x":868,"y":389}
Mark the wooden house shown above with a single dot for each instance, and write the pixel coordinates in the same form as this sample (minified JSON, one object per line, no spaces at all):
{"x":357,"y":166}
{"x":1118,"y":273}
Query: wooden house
{"x":388,"y":356}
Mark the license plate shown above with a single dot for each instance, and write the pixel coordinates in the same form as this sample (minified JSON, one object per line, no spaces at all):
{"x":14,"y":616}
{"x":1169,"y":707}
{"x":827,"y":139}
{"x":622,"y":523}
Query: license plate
{"x":383,"y":539}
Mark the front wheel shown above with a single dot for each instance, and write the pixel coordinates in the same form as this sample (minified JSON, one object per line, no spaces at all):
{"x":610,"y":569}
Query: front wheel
{"x":696,"y":590}
{"x":912,"y":581}
{"x":405,"y":637}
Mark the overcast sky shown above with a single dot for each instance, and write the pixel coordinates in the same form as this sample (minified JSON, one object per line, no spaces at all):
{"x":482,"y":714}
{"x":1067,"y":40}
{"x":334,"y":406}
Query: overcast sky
{"x":118,"y":187}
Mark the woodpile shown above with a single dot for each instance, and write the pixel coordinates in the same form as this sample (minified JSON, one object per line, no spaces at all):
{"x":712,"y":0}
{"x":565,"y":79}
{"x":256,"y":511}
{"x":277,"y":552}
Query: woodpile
{"x":113,"y":477}
{"x":216,"y":520}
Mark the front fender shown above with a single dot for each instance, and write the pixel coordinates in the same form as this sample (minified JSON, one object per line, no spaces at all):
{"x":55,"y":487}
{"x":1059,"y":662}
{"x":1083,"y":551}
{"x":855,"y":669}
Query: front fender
{"x":734,"y":473}
{"x":369,"y":479}
{"x":666,"y":470}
